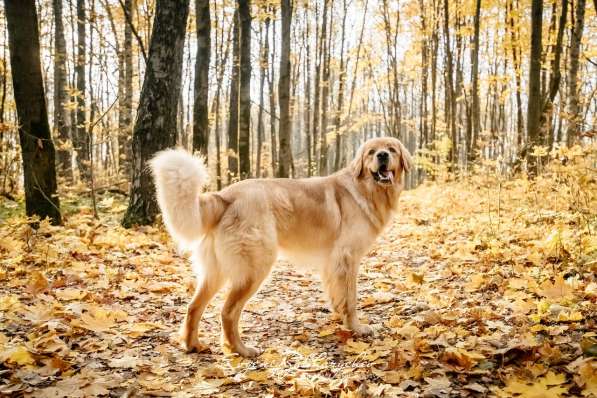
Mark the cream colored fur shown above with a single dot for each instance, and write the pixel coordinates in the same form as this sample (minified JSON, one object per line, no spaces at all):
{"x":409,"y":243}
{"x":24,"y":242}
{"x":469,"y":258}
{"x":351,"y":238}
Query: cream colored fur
{"x":236,"y":234}
{"x":179,"y":178}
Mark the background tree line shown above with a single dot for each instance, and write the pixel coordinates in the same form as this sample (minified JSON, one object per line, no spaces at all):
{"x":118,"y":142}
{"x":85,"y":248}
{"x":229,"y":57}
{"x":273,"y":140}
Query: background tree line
{"x":91,"y":89}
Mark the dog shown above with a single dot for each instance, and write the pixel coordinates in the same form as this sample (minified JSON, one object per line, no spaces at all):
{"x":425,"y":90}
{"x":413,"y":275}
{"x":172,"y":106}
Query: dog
{"x":235,"y":235}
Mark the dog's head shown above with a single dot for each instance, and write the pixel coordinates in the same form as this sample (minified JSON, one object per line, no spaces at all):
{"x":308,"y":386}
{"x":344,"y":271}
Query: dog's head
{"x":382,"y":161}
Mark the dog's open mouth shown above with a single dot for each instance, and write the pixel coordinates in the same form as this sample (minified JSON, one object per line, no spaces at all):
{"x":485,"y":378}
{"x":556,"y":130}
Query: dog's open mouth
{"x":383,"y":175}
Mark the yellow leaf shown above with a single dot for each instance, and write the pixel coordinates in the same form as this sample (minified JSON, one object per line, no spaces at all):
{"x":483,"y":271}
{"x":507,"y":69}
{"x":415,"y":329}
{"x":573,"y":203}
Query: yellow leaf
{"x":160,"y":286}
{"x":535,"y":257}
{"x":587,"y":378}
{"x":548,"y":386}
{"x":258,"y":375}
{"x":408,"y":331}
{"x":19,"y":355}
{"x":416,"y":278}
{"x":304,"y":350}
{"x":556,"y":290}
{"x":327,"y":331}
{"x":10,"y":245}
{"x":517,"y":284}
{"x":140,"y":328}
{"x":37,"y":283}
{"x":477,"y":281}
{"x":391,"y":376}
{"x":97,"y":322}
{"x":70,"y":294}
{"x":377,"y":298}
{"x":570,"y":316}
{"x":356,"y":347}
{"x":98,"y":319}
{"x":271,"y":356}
{"x":9,"y":302}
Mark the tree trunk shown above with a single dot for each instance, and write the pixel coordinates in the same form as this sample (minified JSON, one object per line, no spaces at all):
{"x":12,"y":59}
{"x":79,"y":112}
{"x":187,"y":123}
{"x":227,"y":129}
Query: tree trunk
{"x":200,"y":107}
{"x":285,"y":154}
{"x":320,"y":37}
{"x":516,"y":59}
{"x":475,"y":113}
{"x":244,"y":102}
{"x":424,"y":124}
{"x":534,"y":105}
{"x":233,"y":171}
{"x":325,"y":90}
{"x":450,"y":95}
{"x":262,"y":72}
{"x":155,"y":126}
{"x":272,"y":99}
{"x":434,"y":51}
{"x":3,"y":79}
{"x":555,"y":77}
{"x":61,"y":125}
{"x":340,"y":103}
{"x":394,"y":119}
{"x":574,"y":112}
{"x":122,"y":127}
{"x":37,"y":148}
{"x":125,"y":148}
{"x":307,"y":94}
{"x":82,"y":138}
{"x":221,"y":62}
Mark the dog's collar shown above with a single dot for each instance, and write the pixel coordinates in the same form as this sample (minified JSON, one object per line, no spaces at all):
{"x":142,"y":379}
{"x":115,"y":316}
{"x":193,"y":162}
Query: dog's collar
{"x":363,"y":205}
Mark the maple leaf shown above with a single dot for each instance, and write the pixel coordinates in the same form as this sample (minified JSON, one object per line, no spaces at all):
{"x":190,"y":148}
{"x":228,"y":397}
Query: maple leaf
{"x":356,"y":347}
{"x":587,"y":378}
{"x":548,"y":386}
{"x":70,"y":294}
{"x":258,"y":375}
{"x":138,"y":329}
{"x":37,"y":283}
{"x":555,"y":290}
{"x":460,"y":358}
{"x":18,"y":355}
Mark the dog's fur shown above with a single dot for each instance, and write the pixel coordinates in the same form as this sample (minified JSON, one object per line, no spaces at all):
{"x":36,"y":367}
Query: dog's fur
{"x":236,"y":234}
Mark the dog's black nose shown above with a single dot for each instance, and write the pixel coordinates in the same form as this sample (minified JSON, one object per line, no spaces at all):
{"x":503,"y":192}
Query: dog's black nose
{"x":383,"y":156}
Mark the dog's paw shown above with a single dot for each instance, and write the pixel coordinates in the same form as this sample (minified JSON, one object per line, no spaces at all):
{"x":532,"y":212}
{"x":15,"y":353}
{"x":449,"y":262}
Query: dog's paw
{"x":193,"y":345}
{"x":196,"y":347}
{"x":241,"y":349}
{"x":362,"y":330}
{"x":247,"y":352}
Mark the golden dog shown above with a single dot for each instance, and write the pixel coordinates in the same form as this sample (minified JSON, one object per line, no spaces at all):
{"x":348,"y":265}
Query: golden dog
{"x":236,"y":234}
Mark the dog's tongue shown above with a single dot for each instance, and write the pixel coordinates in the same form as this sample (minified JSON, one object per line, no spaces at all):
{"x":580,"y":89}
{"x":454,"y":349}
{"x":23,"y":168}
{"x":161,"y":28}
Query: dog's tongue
{"x":391,"y":176}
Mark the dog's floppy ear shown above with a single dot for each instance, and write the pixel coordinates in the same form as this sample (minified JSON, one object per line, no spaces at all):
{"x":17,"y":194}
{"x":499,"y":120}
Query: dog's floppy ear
{"x":356,"y":166}
{"x":405,"y":159}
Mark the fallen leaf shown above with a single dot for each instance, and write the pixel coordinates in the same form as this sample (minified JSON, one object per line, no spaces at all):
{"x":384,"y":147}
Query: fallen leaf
{"x":17,"y":355}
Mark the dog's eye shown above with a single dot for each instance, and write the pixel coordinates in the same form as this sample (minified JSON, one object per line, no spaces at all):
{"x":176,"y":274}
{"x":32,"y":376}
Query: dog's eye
{"x":392,"y":149}
{"x":371,"y":152}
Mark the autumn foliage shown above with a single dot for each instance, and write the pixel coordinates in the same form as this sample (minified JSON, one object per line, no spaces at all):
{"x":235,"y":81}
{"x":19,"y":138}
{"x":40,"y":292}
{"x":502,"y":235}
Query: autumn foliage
{"x":482,"y":286}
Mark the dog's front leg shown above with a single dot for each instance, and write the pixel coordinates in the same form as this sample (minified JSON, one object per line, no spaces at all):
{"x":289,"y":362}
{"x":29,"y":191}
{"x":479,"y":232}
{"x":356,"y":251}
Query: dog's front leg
{"x":340,"y":282}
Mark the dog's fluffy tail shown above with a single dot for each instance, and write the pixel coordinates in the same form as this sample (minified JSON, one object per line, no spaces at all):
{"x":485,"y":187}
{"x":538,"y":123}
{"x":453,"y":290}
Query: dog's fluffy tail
{"x":179,"y":179}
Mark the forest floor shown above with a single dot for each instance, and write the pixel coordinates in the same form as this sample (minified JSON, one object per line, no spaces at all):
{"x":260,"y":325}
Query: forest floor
{"x":484,"y":287}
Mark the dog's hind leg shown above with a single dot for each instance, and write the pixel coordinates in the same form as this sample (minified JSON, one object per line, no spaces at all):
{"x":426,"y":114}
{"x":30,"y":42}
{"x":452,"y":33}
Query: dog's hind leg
{"x":245,"y":246}
{"x":239,"y":294}
{"x":340,"y":283}
{"x":209,"y":281}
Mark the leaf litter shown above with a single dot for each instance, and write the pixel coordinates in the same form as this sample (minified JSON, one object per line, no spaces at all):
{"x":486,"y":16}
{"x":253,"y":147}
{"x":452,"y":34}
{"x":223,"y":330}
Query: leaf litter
{"x":468,"y":295}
